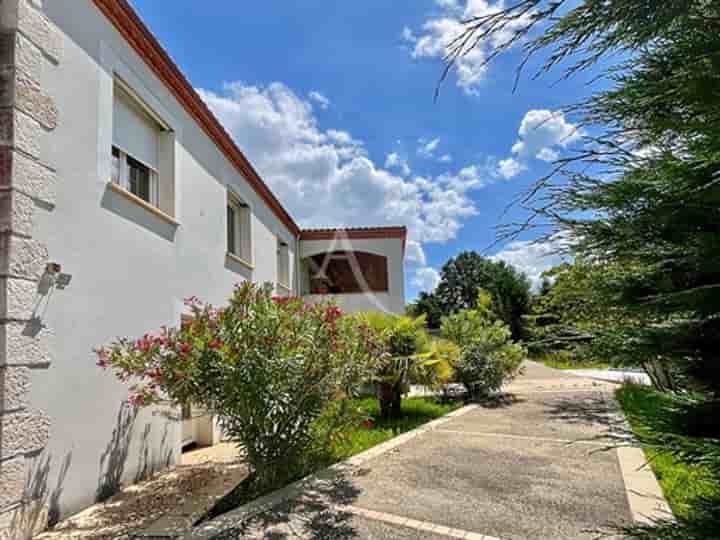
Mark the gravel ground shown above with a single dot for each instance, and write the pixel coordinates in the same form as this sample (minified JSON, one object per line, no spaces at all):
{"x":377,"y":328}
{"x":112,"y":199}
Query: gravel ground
{"x":139,"y":505}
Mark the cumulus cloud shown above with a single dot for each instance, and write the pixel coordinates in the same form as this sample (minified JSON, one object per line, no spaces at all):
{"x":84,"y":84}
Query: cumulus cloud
{"x":533,"y":258}
{"x":445,"y":158}
{"x":325,"y":177}
{"x":438,"y":32}
{"x":322,"y":101}
{"x":542,"y":135}
{"x":510,"y":167}
{"x":542,"y":130}
{"x":395,"y":161}
{"x":426,"y":279}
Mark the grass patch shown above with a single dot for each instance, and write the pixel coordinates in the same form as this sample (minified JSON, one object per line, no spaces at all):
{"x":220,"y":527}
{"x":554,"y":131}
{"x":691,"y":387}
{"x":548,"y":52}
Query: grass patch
{"x":662,"y":420}
{"x":415,"y":412}
{"x":564,"y":362}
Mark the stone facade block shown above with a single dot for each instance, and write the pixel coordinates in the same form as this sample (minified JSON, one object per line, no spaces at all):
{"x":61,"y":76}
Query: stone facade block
{"x":25,"y":343}
{"x":27,"y":176}
{"x":20,"y":131}
{"x":27,"y":134}
{"x":16,"y":212}
{"x":31,"y":99}
{"x":28,"y":58}
{"x":14,"y":386}
{"x":25,"y":17}
{"x":12,"y":472}
{"x":22,"y":257}
{"x":23,"y":433}
{"x":17,"y":298}
{"x":23,"y":522}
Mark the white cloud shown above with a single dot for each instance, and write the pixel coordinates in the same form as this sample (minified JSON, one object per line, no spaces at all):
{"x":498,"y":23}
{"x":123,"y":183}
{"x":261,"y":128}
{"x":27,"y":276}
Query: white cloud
{"x":319,"y":98}
{"x":541,"y":130}
{"x":510,"y":167}
{"x":325,"y":177}
{"x":395,"y":161}
{"x":533,"y":258}
{"x":547,"y":154}
{"x":426,"y":278}
{"x":438,"y":33}
{"x":541,"y":135}
{"x":414,"y":253}
{"x":445,"y":158}
{"x":427,"y":148}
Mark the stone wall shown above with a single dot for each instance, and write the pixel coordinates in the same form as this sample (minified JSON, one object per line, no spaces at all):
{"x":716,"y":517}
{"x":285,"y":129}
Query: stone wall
{"x":30,"y":46}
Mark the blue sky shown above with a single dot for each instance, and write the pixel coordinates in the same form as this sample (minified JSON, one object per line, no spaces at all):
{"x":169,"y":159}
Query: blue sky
{"x":333,"y":104}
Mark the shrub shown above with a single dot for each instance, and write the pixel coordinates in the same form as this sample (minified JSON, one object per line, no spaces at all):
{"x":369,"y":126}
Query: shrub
{"x":489,"y":360}
{"x":407,"y":345}
{"x":461,"y":327}
{"x":269,"y":368}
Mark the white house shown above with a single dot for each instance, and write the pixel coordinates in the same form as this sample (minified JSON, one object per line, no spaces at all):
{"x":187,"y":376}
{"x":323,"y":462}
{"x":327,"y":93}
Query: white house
{"x":121,"y":195}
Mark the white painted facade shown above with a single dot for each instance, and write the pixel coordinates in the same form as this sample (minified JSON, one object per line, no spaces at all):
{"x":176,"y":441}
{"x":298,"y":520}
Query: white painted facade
{"x":129,"y":265}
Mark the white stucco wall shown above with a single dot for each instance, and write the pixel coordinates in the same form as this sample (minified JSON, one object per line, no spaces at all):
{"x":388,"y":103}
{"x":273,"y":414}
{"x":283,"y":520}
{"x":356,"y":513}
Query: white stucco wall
{"x":393,"y":300}
{"x":130,"y":270}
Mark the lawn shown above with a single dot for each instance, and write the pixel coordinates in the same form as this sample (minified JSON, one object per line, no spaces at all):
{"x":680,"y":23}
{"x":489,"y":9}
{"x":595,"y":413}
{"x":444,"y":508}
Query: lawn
{"x":654,"y":415}
{"x":565,"y":361}
{"x":415,"y":412}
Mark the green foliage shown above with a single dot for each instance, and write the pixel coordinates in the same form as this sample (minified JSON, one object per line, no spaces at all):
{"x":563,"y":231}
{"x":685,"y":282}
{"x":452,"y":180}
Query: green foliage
{"x":427,"y":304}
{"x":463,"y":275}
{"x":487,"y":355}
{"x":409,"y":357}
{"x":463,"y":326}
{"x":684,"y":455}
{"x":489,"y":360}
{"x":268,"y":367}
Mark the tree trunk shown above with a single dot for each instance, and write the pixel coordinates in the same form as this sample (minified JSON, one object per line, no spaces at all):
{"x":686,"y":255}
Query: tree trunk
{"x":390,"y":396}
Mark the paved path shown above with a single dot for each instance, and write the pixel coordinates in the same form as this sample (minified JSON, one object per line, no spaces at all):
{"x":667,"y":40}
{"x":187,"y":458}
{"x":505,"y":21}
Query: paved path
{"x":537,"y":464}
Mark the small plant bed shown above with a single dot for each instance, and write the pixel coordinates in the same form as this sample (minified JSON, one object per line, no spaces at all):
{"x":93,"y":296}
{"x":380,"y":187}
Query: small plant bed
{"x":688,"y":474}
{"x":415,"y":412}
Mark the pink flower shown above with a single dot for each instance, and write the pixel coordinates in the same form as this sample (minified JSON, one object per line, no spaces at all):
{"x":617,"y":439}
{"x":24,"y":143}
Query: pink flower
{"x":185,"y":348}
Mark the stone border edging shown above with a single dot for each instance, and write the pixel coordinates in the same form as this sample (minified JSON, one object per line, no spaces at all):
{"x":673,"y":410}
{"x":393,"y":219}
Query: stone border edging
{"x":206,"y":531}
{"x":644,"y":494}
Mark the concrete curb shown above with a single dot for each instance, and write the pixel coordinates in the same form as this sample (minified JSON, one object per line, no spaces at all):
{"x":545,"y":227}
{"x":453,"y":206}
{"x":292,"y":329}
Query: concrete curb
{"x":644,"y":494}
{"x":322,"y":478}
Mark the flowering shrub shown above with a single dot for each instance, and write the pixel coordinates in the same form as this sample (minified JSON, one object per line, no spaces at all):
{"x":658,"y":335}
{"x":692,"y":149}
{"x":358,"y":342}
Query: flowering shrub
{"x":270,"y":368}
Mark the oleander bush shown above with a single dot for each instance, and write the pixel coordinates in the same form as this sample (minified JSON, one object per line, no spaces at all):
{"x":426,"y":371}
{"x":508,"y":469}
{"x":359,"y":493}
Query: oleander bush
{"x":277,"y":373}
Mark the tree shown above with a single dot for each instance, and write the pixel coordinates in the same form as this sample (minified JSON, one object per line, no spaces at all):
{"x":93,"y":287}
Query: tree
{"x":426,"y":304}
{"x":463,"y":275}
{"x":642,"y":192}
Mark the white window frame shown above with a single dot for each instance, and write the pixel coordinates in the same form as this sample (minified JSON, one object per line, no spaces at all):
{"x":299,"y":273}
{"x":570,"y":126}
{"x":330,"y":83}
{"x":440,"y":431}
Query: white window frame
{"x":283,"y":264}
{"x":121,"y":176}
{"x":242,"y":248}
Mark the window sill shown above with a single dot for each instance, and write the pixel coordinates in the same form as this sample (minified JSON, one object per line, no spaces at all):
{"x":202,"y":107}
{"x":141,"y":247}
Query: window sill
{"x":144,"y":204}
{"x":240,"y":260}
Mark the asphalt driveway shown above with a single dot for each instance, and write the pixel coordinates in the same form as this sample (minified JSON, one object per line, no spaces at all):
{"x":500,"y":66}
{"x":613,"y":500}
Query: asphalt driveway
{"x":537,"y":464}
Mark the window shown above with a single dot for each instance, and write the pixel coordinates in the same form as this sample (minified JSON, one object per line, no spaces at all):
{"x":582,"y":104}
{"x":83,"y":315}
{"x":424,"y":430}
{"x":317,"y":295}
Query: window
{"x":139,"y":140}
{"x":283,"y":264}
{"x":238,"y":228}
{"x":342,"y":272}
{"x":137,"y":178}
